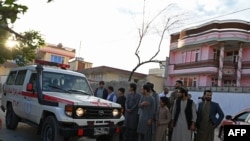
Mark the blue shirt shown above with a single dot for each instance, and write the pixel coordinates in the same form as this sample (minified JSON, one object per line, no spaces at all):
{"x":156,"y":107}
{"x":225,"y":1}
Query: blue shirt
{"x":112,"y":97}
{"x":99,"y":92}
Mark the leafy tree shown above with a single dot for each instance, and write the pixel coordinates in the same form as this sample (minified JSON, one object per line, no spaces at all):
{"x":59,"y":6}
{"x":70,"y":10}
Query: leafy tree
{"x":26,"y":42}
{"x":167,"y":22}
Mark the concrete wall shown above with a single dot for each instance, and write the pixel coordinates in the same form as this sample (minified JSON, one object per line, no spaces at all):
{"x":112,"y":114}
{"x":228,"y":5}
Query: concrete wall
{"x":231,"y":103}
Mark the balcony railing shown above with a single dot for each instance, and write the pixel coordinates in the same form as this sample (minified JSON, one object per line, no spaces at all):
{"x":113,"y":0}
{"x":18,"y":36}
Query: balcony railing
{"x":227,"y":63}
{"x":218,"y":89}
{"x":245,"y":65}
{"x":210,"y":63}
{"x":198,"y":64}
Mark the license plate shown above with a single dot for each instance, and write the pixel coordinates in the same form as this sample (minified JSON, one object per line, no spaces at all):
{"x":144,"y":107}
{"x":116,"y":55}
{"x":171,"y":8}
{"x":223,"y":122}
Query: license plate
{"x":101,"y":131}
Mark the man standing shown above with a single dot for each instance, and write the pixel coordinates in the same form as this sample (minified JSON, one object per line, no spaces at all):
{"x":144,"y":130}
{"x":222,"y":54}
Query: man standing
{"x":156,"y":109}
{"x":172,"y":98}
{"x":174,"y":94}
{"x":111,"y":95}
{"x":121,"y":100}
{"x":207,"y":119}
{"x":101,"y":92}
{"x":183,"y":117}
{"x":146,"y":115}
{"x":131,"y":113}
{"x":164,"y":94}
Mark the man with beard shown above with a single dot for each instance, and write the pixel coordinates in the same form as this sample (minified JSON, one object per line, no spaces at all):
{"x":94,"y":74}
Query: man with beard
{"x":207,"y":119}
{"x":183,"y":117}
{"x":172,"y":98}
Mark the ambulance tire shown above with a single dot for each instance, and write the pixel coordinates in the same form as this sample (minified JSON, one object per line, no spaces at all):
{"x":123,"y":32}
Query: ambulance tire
{"x":11,"y":118}
{"x":50,"y":130}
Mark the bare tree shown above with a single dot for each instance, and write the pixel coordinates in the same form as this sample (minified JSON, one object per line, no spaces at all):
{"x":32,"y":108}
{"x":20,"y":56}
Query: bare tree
{"x":167,"y":23}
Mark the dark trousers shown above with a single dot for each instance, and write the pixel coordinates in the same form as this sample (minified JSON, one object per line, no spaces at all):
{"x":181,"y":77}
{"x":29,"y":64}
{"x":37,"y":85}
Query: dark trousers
{"x":170,"y":131}
{"x":220,"y":131}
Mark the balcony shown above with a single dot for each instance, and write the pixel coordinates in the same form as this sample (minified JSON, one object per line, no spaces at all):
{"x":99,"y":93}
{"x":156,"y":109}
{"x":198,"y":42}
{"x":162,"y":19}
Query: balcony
{"x":245,"y":65}
{"x":229,"y":64}
{"x":198,"y":64}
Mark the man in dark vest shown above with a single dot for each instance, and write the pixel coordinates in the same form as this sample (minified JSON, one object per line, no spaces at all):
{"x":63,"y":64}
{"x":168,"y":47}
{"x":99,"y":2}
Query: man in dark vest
{"x":183,"y":117}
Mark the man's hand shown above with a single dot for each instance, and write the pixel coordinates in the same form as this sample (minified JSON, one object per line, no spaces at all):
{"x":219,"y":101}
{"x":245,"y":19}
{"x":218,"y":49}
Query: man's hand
{"x":149,"y":122}
{"x":193,"y":128}
{"x":145,"y":103}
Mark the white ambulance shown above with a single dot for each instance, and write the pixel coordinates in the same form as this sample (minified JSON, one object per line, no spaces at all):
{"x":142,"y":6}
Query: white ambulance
{"x":59,"y":103}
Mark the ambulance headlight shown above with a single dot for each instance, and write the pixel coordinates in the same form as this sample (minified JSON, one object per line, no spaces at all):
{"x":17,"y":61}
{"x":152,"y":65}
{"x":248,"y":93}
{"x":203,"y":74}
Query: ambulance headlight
{"x":115,"y":112}
{"x":80,"y":111}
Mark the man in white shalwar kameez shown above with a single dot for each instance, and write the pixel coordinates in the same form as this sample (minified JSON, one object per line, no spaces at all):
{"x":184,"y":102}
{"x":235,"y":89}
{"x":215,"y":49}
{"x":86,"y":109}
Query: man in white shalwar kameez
{"x":183,"y":117}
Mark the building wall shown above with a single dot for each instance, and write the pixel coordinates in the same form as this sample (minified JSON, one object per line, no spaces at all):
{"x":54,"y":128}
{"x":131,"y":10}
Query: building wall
{"x":157,"y":72}
{"x":203,"y":80}
{"x":57,"y":50}
{"x":157,"y":81}
{"x":245,"y":54}
{"x":204,"y":39}
{"x":4,"y":71}
{"x":245,"y":82}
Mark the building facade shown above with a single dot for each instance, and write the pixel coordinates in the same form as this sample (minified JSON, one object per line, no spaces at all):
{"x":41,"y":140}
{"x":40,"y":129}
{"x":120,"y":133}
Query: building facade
{"x":78,"y":64}
{"x":214,"y":54}
{"x":53,"y":53}
{"x":56,"y":53}
{"x":106,"y":73}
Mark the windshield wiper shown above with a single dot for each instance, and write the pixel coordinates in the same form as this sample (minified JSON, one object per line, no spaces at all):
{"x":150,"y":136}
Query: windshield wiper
{"x":79,"y":91}
{"x":56,"y":87}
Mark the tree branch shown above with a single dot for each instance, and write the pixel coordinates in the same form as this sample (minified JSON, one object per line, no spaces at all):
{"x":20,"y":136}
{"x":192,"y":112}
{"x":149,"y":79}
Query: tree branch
{"x":11,"y":31}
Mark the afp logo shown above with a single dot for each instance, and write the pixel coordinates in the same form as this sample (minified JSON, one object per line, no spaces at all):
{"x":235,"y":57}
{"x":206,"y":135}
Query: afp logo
{"x":236,"y":132}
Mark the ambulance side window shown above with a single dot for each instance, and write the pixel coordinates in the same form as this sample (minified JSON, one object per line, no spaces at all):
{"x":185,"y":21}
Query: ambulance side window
{"x":33,"y":81}
{"x":20,"y":77}
{"x":11,"y":78}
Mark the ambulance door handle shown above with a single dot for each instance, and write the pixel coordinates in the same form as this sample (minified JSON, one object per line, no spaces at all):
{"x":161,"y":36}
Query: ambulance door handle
{"x":4,"y":94}
{"x":24,"y":97}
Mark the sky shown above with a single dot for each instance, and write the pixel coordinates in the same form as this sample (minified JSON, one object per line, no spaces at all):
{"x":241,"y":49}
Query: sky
{"x":105,"y":32}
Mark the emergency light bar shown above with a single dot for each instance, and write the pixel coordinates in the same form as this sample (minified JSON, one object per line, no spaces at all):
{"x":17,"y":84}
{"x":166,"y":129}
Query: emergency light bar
{"x":48,"y":63}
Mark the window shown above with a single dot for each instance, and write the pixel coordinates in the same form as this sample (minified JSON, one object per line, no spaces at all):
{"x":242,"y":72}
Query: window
{"x":33,"y":81}
{"x":232,"y":56}
{"x":216,"y":54}
{"x":65,"y":83}
{"x":189,"y":81}
{"x":20,"y":77}
{"x":214,"y":82}
{"x":98,"y":77}
{"x":183,"y":57}
{"x":197,"y":55}
{"x":57,"y":59}
{"x":242,"y":117}
{"x":11,"y":78}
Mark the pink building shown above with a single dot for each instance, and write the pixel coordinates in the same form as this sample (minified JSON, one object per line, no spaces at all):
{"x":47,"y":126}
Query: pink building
{"x":214,"y":54}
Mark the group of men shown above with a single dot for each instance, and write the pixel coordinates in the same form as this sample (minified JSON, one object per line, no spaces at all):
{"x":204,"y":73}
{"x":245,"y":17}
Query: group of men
{"x":181,"y":118}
